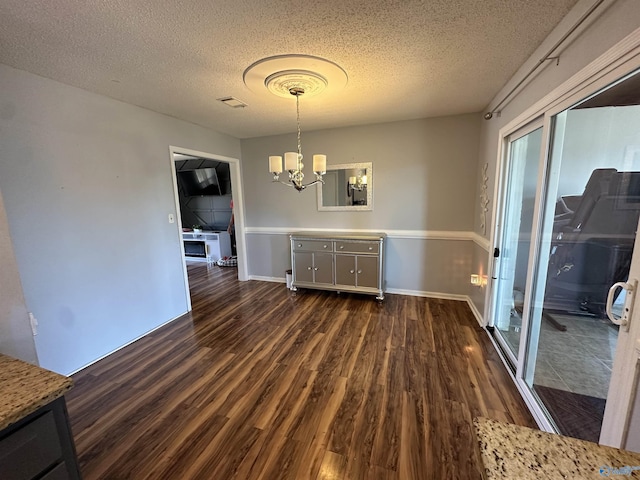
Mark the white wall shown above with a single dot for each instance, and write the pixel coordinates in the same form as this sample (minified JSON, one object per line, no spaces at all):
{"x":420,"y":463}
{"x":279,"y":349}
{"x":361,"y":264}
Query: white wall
{"x":424,"y":177}
{"x":16,"y":338}
{"x":87,"y":188}
{"x":605,"y":137}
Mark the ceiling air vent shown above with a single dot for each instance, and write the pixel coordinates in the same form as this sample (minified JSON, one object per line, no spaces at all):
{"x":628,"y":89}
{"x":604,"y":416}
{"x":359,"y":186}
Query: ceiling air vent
{"x":232,"y":102}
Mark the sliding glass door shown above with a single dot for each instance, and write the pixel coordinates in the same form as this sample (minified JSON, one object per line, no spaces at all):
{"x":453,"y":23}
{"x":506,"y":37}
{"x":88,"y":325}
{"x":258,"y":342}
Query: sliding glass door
{"x":520,"y":185}
{"x":566,"y":234}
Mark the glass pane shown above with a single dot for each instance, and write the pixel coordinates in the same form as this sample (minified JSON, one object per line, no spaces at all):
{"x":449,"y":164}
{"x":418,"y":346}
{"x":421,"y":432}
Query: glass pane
{"x":592,"y":205}
{"x":521,"y":183}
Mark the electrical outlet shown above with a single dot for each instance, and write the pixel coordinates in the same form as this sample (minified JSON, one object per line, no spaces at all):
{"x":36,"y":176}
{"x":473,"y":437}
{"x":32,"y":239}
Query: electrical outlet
{"x":172,"y":219}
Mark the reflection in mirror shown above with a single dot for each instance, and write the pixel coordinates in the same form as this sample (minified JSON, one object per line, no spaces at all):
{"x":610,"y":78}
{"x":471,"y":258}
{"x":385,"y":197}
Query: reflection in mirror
{"x":346,"y":187}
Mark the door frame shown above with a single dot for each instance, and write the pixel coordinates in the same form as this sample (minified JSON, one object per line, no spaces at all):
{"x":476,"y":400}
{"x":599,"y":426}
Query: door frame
{"x":497,"y":234}
{"x":618,"y":62}
{"x":238,"y":210}
{"x":624,"y":374}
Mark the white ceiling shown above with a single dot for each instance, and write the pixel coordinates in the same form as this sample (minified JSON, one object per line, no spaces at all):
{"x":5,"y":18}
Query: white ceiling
{"x":404,"y":59}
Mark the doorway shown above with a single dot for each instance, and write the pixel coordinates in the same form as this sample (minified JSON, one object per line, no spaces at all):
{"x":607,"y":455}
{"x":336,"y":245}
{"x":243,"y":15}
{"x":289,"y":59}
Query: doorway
{"x":565,"y":234}
{"x":218,"y":206}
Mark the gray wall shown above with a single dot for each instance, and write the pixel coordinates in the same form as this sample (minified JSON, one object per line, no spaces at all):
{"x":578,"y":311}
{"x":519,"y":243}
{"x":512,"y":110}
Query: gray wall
{"x":480,"y":266}
{"x":87,"y":188}
{"x":424,"y":177}
{"x":16,"y":338}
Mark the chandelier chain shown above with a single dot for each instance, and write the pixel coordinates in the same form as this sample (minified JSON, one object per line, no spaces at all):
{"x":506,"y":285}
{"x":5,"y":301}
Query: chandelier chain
{"x":298,"y":120}
{"x":296,"y":176}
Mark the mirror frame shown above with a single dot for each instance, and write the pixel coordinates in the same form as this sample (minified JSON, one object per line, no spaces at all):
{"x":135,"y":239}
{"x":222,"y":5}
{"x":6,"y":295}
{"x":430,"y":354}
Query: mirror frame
{"x":368,"y":166}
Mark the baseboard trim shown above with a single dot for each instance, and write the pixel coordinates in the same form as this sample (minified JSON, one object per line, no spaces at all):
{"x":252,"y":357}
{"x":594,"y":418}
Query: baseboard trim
{"x":534,"y":408}
{"x":421,"y":293}
{"x":261,"y":278}
{"x":393,"y":291}
{"x":475,"y":311}
{"x":125,"y":345}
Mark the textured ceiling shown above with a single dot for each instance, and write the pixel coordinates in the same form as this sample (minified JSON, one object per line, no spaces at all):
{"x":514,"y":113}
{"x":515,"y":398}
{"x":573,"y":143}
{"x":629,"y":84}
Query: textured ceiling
{"x":404,"y":59}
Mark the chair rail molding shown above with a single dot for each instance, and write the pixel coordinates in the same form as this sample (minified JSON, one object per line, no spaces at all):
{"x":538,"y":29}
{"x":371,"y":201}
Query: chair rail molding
{"x":456,"y":235}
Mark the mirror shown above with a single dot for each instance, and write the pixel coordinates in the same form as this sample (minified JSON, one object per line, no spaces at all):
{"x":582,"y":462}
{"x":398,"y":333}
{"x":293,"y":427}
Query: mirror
{"x":346,"y":187}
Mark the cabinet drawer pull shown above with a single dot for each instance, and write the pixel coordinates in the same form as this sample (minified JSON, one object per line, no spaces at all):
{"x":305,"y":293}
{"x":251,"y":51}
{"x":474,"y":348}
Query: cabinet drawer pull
{"x":341,"y":247}
{"x":324,"y":246}
{"x":299,"y":245}
{"x":359,"y":271}
{"x":351,"y":271}
{"x":315,"y":269}
{"x":308,"y":268}
{"x":370,"y":248}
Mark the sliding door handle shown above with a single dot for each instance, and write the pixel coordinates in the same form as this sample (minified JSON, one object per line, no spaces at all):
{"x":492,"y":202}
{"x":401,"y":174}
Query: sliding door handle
{"x":627,"y":308}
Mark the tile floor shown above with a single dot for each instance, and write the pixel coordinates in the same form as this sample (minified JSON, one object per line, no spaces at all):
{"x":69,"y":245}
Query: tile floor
{"x":577,"y":360}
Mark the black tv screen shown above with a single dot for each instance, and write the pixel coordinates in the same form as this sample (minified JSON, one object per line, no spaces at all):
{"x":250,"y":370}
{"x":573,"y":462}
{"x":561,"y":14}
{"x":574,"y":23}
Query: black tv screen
{"x":202,"y":181}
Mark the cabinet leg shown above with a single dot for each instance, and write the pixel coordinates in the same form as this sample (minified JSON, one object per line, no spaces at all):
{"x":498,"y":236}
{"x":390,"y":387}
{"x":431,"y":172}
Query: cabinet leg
{"x":294,"y":289}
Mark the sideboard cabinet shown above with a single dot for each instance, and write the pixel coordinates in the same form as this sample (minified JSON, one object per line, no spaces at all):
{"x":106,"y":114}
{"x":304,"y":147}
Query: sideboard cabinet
{"x":339,"y":262}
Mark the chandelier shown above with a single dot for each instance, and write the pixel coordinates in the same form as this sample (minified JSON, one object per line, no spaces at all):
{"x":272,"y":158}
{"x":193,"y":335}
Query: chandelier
{"x":293,"y":161}
{"x":358,"y":183}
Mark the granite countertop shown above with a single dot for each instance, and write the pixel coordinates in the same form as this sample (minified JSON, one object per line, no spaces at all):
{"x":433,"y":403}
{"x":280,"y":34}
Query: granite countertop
{"x":513,"y":452}
{"x":24,"y":388}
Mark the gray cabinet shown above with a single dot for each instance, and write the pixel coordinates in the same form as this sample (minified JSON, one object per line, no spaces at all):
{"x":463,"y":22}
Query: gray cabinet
{"x":341,"y":262}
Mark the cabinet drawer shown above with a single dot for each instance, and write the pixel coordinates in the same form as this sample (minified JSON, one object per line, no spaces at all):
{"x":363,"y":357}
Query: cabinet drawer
{"x":358,"y":247}
{"x":312,"y":245}
{"x":58,"y":473}
{"x":28,"y":451}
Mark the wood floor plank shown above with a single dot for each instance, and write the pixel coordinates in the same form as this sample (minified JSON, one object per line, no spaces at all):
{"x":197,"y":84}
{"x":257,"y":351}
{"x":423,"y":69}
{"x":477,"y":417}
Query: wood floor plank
{"x":414,"y":461}
{"x":258,"y":382}
{"x":333,"y":467}
{"x":387,"y":444}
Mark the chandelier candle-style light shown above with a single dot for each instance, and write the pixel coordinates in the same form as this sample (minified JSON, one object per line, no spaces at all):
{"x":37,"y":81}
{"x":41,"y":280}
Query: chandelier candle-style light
{"x":358,"y":183}
{"x":293,"y":161}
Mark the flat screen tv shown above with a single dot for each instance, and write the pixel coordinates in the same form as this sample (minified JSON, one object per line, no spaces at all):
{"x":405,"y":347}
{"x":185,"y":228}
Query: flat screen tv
{"x":204,"y":181}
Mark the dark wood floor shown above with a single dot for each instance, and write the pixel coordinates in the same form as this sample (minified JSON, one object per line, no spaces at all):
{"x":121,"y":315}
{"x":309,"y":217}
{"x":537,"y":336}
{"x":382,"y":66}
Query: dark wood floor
{"x":261,"y":383}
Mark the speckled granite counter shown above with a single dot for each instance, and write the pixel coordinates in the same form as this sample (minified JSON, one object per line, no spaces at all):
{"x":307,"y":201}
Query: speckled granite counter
{"x":24,"y":388}
{"x":514,"y":452}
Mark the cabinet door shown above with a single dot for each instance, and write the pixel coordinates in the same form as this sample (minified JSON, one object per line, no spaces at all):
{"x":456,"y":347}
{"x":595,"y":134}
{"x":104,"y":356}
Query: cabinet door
{"x":346,"y":270}
{"x":367,"y":271}
{"x":303,"y":266}
{"x":323,"y":268}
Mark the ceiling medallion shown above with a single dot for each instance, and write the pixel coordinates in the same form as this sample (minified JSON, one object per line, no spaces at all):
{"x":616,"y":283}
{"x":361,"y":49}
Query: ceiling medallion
{"x":280,"y":73}
{"x":281,"y":83}
{"x":295,"y":75}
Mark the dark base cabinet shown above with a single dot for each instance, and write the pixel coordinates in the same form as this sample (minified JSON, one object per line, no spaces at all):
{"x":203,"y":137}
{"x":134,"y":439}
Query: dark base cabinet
{"x":40,"y":446}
